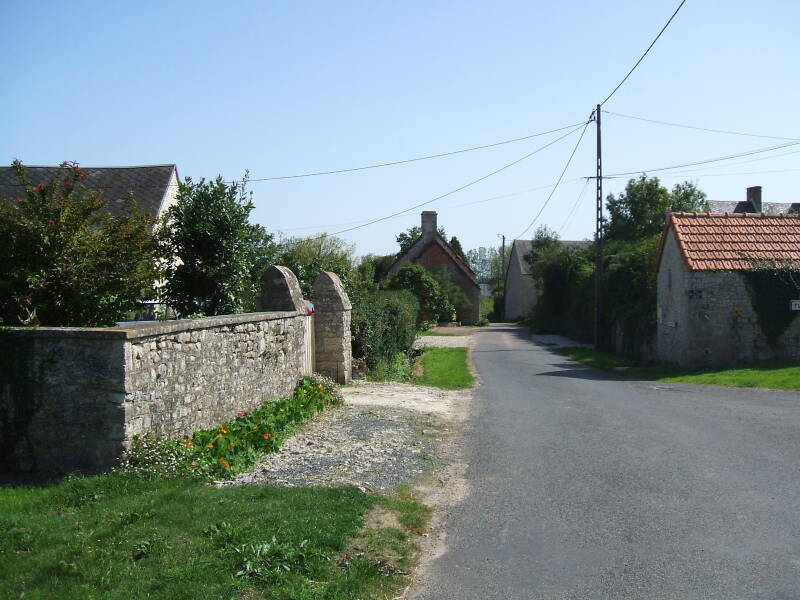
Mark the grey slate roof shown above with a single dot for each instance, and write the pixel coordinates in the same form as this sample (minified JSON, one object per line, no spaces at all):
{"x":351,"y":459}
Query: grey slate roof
{"x":149,"y":184}
{"x":745,"y":206}
{"x":523,"y":249}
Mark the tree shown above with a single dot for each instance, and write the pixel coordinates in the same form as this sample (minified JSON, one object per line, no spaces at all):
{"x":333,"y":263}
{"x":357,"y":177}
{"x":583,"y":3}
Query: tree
{"x":406,"y":238}
{"x":433,"y":303}
{"x":639,"y":211}
{"x":455,"y":246}
{"x":455,"y":295}
{"x":307,"y":257}
{"x":65,"y":261}
{"x":487,"y":263}
{"x":210,"y":248}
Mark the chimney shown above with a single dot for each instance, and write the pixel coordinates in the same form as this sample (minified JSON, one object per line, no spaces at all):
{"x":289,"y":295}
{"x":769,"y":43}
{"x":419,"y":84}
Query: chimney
{"x":754,"y":197}
{"x":428,"y":223}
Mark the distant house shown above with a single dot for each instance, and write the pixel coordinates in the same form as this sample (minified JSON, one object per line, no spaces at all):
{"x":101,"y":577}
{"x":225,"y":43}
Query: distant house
{"x":154,"y":187}
{"x":521,"y":292}
{"x":753,"y":204}
{"x":706,"y":313}
{"x":431,"y":251}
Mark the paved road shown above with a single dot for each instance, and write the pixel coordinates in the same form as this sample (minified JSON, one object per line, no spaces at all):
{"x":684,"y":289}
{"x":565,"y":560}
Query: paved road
{"x":584,"y":486}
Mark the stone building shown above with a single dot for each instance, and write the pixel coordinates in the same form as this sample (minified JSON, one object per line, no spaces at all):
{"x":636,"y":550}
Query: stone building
{"x":154,"y":187}
{"x":521,"y":293}
{"x":711,"y":307}
{"x":432,"y":252}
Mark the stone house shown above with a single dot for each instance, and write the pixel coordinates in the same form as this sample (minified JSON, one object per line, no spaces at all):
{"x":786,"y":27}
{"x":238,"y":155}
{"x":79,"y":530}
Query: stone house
{"x":753,"y":204}
{"x":712,"y":308}
{"x":155,"y":187}
{"x":521,"y":293}
{"x":431,"y":251}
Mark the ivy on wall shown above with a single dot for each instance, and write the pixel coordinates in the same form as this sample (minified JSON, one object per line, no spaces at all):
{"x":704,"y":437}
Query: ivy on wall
{"x":771,"y":292}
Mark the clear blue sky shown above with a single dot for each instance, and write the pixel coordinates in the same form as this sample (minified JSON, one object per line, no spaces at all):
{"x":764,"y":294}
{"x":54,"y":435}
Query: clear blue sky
{"x":290,"y":87}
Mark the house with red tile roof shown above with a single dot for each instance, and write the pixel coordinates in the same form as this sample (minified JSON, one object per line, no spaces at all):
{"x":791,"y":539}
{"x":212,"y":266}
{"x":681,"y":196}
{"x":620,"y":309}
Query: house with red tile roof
{"x":721,"y":296}
{"x":433,"y":252}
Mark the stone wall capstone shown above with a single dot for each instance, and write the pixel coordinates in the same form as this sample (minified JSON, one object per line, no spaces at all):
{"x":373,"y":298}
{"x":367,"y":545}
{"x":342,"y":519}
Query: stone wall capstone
{"x":333,"y":347}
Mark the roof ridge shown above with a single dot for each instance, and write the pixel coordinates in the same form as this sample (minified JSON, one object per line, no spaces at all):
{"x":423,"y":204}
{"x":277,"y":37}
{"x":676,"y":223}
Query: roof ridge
{"x":100,"y":167}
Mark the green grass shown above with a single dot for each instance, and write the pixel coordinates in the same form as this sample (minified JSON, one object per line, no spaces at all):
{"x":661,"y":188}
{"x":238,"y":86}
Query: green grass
{"x":436,"y":334}
{"x":774,"y":374}
{"x":445,"y":368}
{"x":397,"y":368}
{"x":114,"y":536}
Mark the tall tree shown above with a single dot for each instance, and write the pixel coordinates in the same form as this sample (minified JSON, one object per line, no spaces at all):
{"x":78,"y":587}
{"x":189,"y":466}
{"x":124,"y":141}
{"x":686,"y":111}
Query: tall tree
{"x":210,"y":248}
{"x":639,"y":211}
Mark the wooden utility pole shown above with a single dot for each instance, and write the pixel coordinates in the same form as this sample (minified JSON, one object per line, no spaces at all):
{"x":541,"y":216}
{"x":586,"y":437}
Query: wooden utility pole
{"x":598,"y":236}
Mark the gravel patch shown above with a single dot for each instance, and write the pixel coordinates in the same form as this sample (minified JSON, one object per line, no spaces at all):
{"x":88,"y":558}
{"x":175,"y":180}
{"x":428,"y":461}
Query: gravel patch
{"x":441,"y":341}
{"x":384,"y":436}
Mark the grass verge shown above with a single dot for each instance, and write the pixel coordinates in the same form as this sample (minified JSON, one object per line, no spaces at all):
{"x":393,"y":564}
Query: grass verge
{"x":398,"y":368}
{"x":115,"y":536}
{"x":773,"y":374}
{"x":445,"y":368}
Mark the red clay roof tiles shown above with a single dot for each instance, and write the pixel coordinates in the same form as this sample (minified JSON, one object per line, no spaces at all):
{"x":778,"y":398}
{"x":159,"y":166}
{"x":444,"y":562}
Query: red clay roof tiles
{"x":731,"y":241}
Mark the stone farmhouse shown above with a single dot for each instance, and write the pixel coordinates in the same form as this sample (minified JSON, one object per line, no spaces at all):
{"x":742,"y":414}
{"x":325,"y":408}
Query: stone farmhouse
{"x":432,"y":252}
{"x":713,"y":307}
{"x":521,"y":293}
{"x":155,"y":187}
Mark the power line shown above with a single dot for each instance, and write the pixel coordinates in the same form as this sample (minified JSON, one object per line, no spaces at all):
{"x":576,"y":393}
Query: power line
{"x":466,"y":185}
{"x":555,"y":187}
{"x":575,"y":206}
{"x":770,"y":137}
{"x":416,"y":159}
{"x":460,"y":205}
{"x":641,"y":58}
{"x":703,"y":162}
{"x":701,"y":175}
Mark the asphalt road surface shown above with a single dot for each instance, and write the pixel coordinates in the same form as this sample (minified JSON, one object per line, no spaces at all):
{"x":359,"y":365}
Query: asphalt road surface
{"x":585,"y":486}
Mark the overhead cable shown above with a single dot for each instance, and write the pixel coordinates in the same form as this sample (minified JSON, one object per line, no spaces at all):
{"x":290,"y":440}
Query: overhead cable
{"x":466,"y":185}
{"x":416,"y":159}
{"x":703,"y":162}
{"x":641,"y":58}
{"x":769,"y":137}
{"x":555,"y":187}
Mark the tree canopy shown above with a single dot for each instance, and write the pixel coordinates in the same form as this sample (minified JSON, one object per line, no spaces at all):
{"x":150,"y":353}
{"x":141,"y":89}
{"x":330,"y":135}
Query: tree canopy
{"x":639,"y":211}
{"x":65,"y":261}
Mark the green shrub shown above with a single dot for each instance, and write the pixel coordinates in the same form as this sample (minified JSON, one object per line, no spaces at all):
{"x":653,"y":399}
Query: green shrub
{"x":434,"y":305}
{"x":384,"y":324}
{"x":211,"y":249}
{"x":65,"y":261}
{"x":223,"y":451}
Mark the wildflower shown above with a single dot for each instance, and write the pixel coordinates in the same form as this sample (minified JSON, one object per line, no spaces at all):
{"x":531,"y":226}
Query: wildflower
{"x":189,"y":444}
{"x":209,"y":445}
{"x":239,"y":413}
{"x":266,"y":436}
{"x":223,"y":430}
{"x":224,"y":464}
{"x":193,"y":465}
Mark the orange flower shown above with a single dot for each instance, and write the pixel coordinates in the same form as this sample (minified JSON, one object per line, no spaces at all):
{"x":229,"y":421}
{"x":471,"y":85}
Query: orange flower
{"x":266,"y":436}
{"x":224,"y":464}
{"x":189,"y":444}
{"x":223,"y":430}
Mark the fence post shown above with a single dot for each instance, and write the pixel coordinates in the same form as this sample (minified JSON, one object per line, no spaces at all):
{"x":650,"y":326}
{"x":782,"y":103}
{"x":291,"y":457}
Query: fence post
{"x":333,"y":352}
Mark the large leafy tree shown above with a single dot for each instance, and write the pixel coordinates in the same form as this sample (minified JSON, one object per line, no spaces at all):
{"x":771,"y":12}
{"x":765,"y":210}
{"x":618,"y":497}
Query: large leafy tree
{"x":210,"y":249}
{"x":409,"y":236}
{"x":66,"y":261}
{"x":639,"y":211}
{"x":307,"y":257}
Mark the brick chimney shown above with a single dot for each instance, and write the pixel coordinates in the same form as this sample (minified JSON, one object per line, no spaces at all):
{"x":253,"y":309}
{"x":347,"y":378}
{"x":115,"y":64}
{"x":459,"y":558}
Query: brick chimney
{"x":428,"y":223}
{"x":754,"y":197}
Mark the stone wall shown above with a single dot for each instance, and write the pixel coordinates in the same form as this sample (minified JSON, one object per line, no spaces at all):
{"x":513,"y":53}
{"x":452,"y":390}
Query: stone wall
{"x":707,"y":318}
{"x":521,"y":293}
{"x":71,"y":399}
{"x":334,"y":351}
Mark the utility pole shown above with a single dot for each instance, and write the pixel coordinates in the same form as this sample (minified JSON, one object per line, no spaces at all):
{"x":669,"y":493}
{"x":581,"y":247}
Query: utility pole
{"x":598,"y":236}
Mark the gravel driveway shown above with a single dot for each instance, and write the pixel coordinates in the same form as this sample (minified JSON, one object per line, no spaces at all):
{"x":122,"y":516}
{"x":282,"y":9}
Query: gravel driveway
{"x":385,"y":435}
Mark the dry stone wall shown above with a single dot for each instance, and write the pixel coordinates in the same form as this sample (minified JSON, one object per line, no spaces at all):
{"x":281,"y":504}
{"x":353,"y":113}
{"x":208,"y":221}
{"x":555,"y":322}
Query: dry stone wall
{"x":72,"y":399}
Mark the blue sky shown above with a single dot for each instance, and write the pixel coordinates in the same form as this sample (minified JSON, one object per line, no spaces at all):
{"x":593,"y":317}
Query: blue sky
{"x":292,"y":87}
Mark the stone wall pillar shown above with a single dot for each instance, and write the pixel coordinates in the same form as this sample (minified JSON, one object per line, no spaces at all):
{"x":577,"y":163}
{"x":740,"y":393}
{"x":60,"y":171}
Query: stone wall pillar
{"x":332,"y":308}
{"x":280,"y":291}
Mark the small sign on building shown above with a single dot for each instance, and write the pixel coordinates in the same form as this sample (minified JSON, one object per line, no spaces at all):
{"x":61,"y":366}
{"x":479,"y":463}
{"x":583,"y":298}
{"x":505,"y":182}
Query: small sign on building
{"x":795,"y":304}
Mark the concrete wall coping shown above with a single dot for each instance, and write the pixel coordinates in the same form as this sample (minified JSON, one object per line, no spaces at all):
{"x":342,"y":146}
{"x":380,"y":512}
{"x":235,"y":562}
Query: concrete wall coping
{"x":147,"y":328}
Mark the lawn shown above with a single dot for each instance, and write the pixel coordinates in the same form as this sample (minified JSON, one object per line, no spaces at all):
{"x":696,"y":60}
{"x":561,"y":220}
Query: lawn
{"x":116,"y":536}
{"x":445,"y":368}
{"x":774,"y":374}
